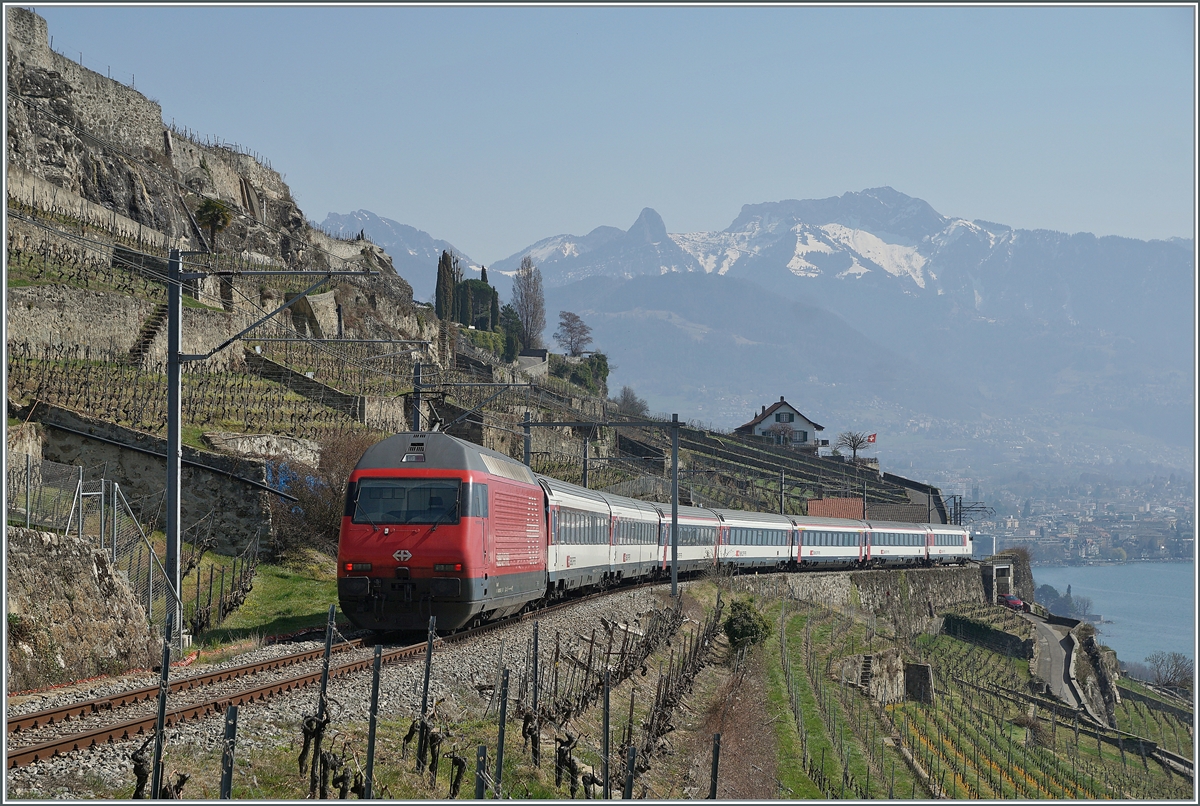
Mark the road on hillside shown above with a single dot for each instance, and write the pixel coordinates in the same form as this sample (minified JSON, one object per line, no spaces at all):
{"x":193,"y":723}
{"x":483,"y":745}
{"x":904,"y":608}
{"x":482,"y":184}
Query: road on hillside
{"x":1054,"y":658}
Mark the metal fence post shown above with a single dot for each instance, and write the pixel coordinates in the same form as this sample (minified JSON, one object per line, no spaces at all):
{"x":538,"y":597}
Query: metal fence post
{"x":537,"y":720}
{"x":227,"y":752}
{"x":81,"y":502}
{"x":607,"y":735}
{"x":329,"y":627}
{"x":423,"y":738}
{"x":629,"y":771}
{"x":112,"y":508}
{"x":480,"y":771}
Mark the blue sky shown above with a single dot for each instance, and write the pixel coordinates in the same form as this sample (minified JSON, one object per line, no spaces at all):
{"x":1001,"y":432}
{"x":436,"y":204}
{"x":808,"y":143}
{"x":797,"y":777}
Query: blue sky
{"x":495,"y":127}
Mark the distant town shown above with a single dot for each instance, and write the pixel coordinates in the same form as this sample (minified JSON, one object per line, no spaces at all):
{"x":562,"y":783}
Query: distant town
{"x":1095,"y":522}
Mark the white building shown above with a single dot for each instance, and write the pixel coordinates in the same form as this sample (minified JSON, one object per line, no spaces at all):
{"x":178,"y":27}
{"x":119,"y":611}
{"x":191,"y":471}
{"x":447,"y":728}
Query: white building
{"x":784,"y":425}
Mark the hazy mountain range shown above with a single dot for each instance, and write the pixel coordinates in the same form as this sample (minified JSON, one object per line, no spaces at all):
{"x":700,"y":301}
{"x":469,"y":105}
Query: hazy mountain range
{"x":996,"y":346}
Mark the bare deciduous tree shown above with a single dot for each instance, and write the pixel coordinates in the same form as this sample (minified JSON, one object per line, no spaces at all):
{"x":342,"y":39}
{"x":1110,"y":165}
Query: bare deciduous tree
{"x":315,"y":519}
{"x":781,"y":433}
{"x":854,"y":440}
{"x":529,"y":302}
{"x":629,"y":403}
{"x":1172,"y":669}
{"x":572,"y":334}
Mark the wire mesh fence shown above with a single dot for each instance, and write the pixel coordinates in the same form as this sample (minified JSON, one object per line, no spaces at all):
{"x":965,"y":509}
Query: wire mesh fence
{"x":69,"y":499}
{"x":42,"y":494}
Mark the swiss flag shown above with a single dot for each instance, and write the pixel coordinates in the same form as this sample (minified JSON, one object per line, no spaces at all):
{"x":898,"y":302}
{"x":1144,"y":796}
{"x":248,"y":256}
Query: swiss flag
{"x":871,"y":438}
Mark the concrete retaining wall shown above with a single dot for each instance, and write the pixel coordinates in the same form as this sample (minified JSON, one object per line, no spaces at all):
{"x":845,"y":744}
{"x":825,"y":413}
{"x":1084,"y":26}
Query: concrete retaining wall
{"x":69,"y":615}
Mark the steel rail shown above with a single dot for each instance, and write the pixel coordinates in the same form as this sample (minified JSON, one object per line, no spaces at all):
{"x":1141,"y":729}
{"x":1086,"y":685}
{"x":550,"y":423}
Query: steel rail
{"x":109,"y":734}
{"x":65,"y":713}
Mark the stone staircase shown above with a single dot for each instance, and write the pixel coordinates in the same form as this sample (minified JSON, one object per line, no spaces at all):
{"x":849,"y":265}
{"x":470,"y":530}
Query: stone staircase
{"x":149,"y":332}
{"x":864,"y":675}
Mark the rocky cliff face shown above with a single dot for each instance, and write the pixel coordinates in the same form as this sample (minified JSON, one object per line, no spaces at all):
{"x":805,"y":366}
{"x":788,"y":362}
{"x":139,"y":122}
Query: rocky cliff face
{"x":70,"y":616}
{"x":97,"y":140}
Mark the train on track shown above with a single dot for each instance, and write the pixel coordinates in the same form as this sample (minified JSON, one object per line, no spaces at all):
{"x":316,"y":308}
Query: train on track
{"x":437,"y":526}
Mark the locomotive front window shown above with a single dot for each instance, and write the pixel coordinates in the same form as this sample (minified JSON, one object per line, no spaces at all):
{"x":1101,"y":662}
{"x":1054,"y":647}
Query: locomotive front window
{"x":407,"y":501}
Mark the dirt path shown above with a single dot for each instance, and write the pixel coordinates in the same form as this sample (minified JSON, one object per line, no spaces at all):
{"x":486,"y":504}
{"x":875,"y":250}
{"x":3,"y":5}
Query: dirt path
{"x":734,"y":705}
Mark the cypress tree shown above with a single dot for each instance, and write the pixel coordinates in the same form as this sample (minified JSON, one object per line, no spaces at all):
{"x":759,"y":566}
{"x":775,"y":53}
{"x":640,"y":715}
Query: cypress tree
{"x":512,"y":346}
{"x":483,"y":273}
{"x":466,"y":305}
{"x":494,"y":318}
{"x":444,"y":293}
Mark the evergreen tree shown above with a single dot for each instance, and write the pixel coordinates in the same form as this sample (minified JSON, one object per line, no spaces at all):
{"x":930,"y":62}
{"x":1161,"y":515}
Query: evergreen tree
{"x":483,"y":273}
{"x":512,"y":346}
{"x":465,"y":304}
{"x":443,"y":305}
{"x":494,"y":317}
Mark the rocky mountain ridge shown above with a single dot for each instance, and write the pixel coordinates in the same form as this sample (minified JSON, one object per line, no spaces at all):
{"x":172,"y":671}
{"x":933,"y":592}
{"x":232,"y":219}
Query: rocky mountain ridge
{"x":1080,"y":342}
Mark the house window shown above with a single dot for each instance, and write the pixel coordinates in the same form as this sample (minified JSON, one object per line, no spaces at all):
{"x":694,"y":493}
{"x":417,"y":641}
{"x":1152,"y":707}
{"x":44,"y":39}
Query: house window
{"x":802,"y":436}
{"x":785,"y":418}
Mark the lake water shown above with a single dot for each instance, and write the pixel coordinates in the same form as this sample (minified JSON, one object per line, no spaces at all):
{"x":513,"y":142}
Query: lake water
{"x":1152,"y":605}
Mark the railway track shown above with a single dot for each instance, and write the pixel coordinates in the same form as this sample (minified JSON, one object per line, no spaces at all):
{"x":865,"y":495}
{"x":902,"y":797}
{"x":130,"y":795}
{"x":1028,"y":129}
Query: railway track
{"x":66,"y":713}
{"x":116,"y":730}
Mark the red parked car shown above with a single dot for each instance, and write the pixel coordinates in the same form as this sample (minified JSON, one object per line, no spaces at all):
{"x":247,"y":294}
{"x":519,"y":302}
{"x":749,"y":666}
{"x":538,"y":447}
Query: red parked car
{"x":1009,"y":600}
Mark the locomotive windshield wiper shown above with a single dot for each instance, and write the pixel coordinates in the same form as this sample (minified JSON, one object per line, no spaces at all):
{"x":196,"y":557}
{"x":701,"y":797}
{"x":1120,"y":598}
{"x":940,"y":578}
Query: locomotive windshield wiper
{"x":358,"y":509}
{"x":441,"y":518}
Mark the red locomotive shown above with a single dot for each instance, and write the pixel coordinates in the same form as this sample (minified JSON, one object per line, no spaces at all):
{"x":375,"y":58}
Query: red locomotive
{"x":437,"y":526}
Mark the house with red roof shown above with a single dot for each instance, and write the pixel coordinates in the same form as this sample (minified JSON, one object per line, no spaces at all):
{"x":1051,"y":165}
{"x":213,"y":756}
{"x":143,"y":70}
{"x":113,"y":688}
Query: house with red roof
{"x":783,"y":424}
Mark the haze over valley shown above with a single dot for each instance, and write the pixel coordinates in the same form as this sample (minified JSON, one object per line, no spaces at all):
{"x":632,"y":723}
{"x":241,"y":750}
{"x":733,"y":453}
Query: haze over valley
{"x":977,"y":351}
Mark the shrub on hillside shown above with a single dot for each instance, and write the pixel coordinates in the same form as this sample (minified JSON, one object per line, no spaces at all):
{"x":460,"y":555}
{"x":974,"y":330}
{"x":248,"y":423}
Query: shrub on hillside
{"x":314,"y":519}
{"x":745,"y":624}
{"x":591,"y":373}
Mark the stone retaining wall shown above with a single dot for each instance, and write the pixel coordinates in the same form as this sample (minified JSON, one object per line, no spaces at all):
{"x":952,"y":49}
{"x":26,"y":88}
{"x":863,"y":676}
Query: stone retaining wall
{"x":69,"y":615}
{"x":909,"y":597}
{"x":973,"y":631}
{"x":241,"y":509}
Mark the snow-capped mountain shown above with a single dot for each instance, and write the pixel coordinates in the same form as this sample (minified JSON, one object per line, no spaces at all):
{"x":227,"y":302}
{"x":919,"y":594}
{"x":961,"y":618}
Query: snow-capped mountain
{"x":414,"y":252}
{"x":645,"y":248}
{"x":879,"y":247}
{"x":875,"y":302}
